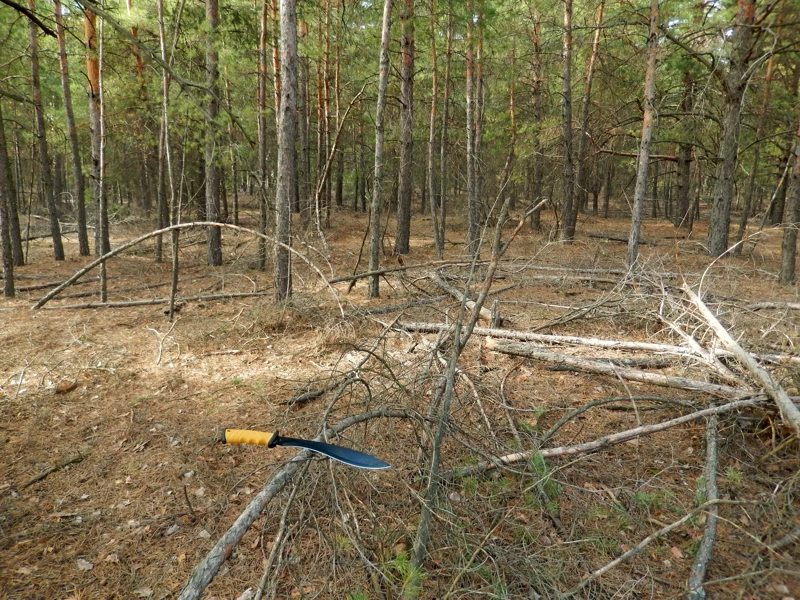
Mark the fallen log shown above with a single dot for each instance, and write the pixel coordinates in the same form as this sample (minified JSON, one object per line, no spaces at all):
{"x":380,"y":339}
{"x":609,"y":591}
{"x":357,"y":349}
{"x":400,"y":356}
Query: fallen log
{"x":592,"y":342}
{"x":605,"y":368}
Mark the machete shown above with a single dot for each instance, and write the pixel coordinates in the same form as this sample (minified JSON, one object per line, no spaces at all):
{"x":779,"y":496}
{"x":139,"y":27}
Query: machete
{"x":354,"y":458}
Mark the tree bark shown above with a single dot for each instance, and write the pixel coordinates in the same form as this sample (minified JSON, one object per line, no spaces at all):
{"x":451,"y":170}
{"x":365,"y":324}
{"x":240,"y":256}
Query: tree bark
{"x":445,"y":118}
{"x":438,"y":239}
{"x":214,"y":234}
{"x":375,"y":214}
{"x":581,"y":177}
{"x":751,"y":178}
{"x":403,"y":233}
{"x":537,"y":115}
{"x":6,"y":198}
{"x":568,"y":204}
{"x":261,"y":107}
{"x":734,"y":84}
{"x":41,"y":135}
{"x":792,"y":222}
{"x":473,"y":231}
{"x":287,"y":134}
{"x":640,"y":190}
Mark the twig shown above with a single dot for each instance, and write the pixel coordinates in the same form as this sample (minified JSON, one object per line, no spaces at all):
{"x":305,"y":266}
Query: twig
{"x":700,"y":564}
{"x":485,"y":313}
{"x":789,"y":412}
{"x":280,"y":537}
{"x":646,"y":542}
{"x":56,"y":467}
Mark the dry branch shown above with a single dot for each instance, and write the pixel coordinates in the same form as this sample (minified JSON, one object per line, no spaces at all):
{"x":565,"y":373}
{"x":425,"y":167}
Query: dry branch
{"x":789,"y":411}
{"x":701,"y":560}
{"x":196,"y":224}
{"x":592,"y":342}
{"x":776,"y":305}
{"x":129,"y":303}
{"x":205,"y":571}
{"x":600,"y":443}
{"x":484,"y":312}
{"x":72,"y":460}
{"x":605,"y":368}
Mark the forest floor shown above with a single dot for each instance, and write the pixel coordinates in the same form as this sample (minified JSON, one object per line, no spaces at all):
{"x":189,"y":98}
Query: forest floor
{"x":127,"y":406}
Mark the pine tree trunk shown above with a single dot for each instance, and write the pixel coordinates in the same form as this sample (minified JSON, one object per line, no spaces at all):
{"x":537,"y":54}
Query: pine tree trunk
{"x":473,"y":231}
{"x":403,"y":233}
{"x":537,"y":115}
{"x":214,"y":235}
{"x":287,"y":134}
{"x":6,"y":199}
{"x":734,"y":84}
{"x":304,"y":165}
{"x":640,"y":191}
{"x":375,"y":214}
{"x":445,"y":119}
{"x":437,"y":239}
{"x":792,"y":223}
{"x":568,"y":203}
{"x":261,"y":100}
{"x":583,"y":168}
{"x":15,"y":199}
{"x":78,"y":186}
{"x":41,"y":135}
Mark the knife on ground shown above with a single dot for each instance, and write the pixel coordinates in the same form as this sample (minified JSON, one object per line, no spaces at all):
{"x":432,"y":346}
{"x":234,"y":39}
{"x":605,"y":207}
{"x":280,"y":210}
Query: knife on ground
{"x":348,"y":456}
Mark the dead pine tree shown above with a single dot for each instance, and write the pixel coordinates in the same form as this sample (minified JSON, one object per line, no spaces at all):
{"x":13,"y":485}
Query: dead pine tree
{"x":647,"y":136}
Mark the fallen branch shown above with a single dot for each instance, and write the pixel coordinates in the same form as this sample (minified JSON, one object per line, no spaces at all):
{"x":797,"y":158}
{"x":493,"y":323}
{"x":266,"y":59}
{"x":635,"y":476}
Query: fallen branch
{"x":789,"y":412}
{"x":484,"y":312}
{"x":600,"y":443}
{"x":777,"y":305}
{"x":129,"y":303}
{"x":701,"y":560}
{"x":72,"y":460}
{"x":605,"y":368}
{"x":207,"y":569}
{"x":194,"y":225}
{"x":592,"y":342}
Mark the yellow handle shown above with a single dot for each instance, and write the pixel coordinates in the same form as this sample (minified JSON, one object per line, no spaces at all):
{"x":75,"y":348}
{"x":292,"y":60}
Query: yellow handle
{"x":245,"y":436}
